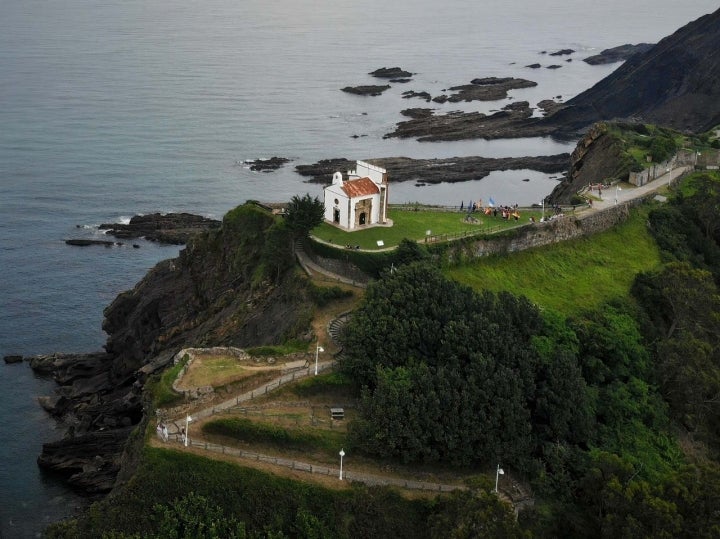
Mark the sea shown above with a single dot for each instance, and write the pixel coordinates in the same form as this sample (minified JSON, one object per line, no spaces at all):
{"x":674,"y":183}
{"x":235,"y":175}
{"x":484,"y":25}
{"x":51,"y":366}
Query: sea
{"x":110,"y":109}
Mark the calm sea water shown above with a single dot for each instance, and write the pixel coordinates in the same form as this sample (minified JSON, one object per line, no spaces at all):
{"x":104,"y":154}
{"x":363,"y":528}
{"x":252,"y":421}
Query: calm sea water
{"x":109,"y":109}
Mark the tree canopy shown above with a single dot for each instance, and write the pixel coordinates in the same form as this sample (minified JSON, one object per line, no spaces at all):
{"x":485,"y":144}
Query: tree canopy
{"x":304,"y":213}
{"x":456,"y":376}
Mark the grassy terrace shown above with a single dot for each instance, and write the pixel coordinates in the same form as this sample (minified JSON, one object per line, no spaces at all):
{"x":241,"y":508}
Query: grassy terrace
{"x":414,"y":224}
{"x":574,"y":275}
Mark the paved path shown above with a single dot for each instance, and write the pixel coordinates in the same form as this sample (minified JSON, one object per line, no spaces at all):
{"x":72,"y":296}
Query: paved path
{"x":175,"y":427}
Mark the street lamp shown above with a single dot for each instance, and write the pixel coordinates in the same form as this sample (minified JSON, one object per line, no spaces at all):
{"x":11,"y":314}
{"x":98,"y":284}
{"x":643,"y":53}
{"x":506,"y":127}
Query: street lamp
{"x":318,"y":349}
{"x":187,"y":429}
{"x":498,"y":473}
{"x":342,"y":454}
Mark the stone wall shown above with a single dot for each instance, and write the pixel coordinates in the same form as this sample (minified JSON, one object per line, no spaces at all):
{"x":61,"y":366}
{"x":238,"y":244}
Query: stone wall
{"x":562,"y":228}
{"x":653,"y":172}
{"x":202,"y":391}
{"x":339,"y":267}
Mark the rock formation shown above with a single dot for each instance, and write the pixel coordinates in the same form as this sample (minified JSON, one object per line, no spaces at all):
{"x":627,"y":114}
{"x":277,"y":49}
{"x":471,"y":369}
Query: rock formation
{"x":371,"y":90}
{"x":266,"y":165}
{"x":675,"y":83}
{"x":456,"y":169}
{"x":171,"y":228}
{"x":209,"y":295}
{"x":596,"y":157}
{"x":515,"y":120}
{"x":391,"y":73}
{"x":617,"y":54}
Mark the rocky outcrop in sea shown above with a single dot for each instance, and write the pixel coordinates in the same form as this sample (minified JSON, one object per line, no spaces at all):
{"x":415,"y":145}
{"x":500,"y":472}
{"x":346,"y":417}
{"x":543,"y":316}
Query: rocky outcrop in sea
{"x":456,"y":169}
{"x":170,"y":228}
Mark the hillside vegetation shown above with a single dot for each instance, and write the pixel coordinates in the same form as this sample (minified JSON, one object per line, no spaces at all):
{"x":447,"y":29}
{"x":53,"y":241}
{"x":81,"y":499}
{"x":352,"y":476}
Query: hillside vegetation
{"x":601,"y":391}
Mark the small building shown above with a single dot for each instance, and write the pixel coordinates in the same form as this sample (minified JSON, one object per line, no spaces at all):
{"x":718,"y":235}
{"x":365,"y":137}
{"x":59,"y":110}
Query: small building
{"x":359,"y":200}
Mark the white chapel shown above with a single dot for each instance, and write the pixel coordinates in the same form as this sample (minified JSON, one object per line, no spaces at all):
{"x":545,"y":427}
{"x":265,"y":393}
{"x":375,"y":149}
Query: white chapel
{"x":358,"y":201}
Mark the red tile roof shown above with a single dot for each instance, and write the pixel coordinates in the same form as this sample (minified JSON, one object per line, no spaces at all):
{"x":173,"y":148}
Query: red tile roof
{"x":360,"y":187}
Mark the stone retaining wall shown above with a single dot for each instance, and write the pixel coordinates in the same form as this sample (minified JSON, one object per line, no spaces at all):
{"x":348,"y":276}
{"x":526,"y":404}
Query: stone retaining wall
{"x":339,"y":267}
{"x":538,"y":234}
{"x":199,"y":392}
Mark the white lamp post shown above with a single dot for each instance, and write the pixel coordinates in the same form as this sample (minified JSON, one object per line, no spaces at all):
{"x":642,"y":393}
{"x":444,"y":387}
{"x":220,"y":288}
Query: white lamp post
{"x":187,"y":429}
{"x":342,"y":454}
{"x":498,"y":473}
{"x":318,"y":349}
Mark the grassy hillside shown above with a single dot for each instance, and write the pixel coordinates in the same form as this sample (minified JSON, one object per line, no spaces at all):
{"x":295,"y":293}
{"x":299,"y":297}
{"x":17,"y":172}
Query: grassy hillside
{"x":574,"y":275}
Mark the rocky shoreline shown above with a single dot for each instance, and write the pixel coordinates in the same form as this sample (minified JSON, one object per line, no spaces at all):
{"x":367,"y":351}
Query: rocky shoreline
{"x":170,"y":228}
{"x":456,"y":169}
{"x":98,"y":410}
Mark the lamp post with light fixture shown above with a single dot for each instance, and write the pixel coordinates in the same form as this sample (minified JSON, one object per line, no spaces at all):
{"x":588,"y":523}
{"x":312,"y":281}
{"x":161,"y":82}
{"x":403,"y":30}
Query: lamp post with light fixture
{"x":187,"y":429}
{"x":318,"y":349}
{"x":498,"y":473}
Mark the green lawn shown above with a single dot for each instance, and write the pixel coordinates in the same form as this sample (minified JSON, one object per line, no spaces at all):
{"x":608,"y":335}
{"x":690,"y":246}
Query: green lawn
{"x":415,"y":224}
{"x":573,"y":275}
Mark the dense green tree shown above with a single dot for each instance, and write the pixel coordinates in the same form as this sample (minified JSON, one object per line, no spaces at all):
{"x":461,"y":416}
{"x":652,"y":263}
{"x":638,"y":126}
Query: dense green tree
{"x":277,"y":255}
{"x":630,"y":415}
{"x":474,"y":514}
{"x":304,"y":213}
{"x":455,"y":376}
{"x":662,"y":147}
{"x":196,"y":517}
{"x":409,"y":251}
{"x":691,"y":299}
{"x":689,"y":372}
{"x":622,"y":505}
{"x":705,"y":202}
{"x":695,"y":490}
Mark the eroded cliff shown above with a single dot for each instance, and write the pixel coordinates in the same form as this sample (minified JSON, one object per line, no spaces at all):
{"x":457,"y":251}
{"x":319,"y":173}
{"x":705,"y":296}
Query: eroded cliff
{"x":231,"y":286}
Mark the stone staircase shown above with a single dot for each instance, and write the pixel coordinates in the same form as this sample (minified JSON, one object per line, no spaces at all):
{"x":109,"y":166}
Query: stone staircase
{"x":334,"y":329}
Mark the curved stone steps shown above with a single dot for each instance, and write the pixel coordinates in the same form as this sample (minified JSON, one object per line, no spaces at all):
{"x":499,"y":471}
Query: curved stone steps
{"x":334,"y":330}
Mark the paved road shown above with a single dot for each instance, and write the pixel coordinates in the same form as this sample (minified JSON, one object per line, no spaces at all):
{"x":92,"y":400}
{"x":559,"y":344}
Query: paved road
{"x":620,"y":193}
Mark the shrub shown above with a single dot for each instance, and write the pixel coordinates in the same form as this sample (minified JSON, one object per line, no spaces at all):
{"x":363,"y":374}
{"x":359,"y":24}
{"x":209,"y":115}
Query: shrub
{"x":322,"y":295}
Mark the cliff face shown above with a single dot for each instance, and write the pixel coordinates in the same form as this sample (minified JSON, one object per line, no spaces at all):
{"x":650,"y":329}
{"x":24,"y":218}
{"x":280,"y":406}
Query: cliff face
{"x":596,"y":158}
{"x":215,"y":293}
{"x":675,"y":84}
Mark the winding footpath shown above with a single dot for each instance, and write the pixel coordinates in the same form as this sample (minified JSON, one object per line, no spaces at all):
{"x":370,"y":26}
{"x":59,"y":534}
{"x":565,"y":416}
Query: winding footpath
{"x":175,"y":434}
{"x":175,"y":430}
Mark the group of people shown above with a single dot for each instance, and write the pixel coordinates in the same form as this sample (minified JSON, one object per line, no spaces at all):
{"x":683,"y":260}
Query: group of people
{"x":506,"y":212}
